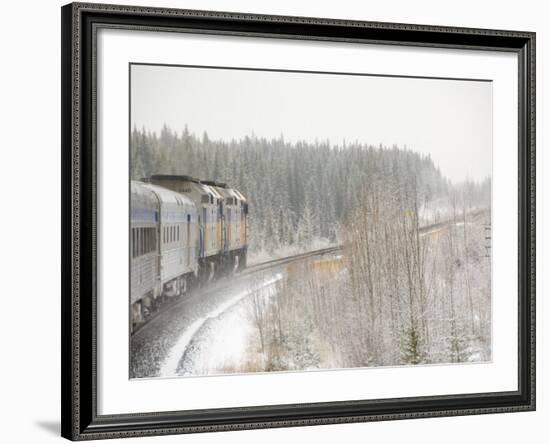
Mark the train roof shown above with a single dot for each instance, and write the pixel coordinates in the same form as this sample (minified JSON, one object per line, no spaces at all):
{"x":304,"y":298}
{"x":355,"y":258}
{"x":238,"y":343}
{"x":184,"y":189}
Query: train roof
{"x":211,"y":190}
{"x":231,"y":193}
{"x":141,"y":193}
{"x":214,"y":183}
{"x":214,"y":188}
{"x":177,"y":177}
{"x":138,"y":187}
{"x":168,"y":196}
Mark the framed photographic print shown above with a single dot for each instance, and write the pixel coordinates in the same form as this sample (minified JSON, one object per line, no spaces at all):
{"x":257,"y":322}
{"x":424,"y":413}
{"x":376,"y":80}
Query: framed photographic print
{"x":279,"y":221}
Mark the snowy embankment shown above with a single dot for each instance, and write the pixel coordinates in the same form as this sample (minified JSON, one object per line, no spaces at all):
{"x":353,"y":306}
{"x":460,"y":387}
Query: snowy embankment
{"x":218,"y":339}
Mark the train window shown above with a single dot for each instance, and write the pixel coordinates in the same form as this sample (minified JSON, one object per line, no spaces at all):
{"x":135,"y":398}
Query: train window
{"x":133,"y":242}
{"x":178,"y":233}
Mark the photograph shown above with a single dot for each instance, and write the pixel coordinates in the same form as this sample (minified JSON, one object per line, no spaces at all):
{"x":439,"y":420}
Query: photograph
{"x":292,"y":221}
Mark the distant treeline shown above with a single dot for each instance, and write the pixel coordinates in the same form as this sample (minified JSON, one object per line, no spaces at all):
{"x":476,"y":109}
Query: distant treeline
{"x":298,"y":192}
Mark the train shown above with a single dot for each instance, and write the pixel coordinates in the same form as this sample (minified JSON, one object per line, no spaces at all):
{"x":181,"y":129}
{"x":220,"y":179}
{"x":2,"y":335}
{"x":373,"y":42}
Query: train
{"x":184,"y":232}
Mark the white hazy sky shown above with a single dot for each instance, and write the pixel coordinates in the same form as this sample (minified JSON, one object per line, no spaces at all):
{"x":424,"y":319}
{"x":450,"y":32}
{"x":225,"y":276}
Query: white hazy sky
{"x":449,"y":119}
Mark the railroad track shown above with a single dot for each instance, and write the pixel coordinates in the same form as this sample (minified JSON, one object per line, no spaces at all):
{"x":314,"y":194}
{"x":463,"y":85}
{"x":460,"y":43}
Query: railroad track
{"x":428,"y":229}
{"x":246,"y":272}
{"x":285,"y":260}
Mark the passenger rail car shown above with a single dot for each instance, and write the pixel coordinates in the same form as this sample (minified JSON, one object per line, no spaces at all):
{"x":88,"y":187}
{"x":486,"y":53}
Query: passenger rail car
{"x":177,"y":240}
{"x":144,"y":265}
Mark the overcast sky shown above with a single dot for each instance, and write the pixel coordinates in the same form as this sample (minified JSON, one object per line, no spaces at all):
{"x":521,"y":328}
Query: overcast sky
{"x":449,"y":119}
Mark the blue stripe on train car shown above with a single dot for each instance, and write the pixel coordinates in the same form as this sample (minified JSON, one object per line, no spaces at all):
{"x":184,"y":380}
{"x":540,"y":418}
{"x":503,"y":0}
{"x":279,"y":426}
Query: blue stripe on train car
{"x":169,"y":216}
{"x":143,"y":215}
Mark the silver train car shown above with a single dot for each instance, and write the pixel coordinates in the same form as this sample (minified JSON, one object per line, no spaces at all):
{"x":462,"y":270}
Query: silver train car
{"x":178,"y":240}
{"x":144,"y":264}
{"x":163,"y":247}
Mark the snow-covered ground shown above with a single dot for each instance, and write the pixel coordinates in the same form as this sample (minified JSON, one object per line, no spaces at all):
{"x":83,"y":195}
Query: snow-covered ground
{"x":218,"y":339}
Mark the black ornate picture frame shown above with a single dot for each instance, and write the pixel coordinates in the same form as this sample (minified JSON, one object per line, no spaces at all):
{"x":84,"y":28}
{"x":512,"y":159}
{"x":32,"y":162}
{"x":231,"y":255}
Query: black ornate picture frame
{"x":80,"y":418}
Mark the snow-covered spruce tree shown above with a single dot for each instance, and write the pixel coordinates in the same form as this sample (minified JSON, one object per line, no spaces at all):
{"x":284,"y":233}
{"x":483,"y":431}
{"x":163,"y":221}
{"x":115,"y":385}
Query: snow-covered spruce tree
{"x":411,"y":350}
